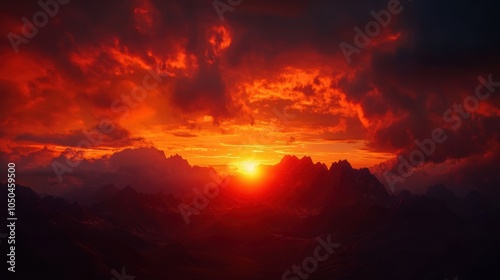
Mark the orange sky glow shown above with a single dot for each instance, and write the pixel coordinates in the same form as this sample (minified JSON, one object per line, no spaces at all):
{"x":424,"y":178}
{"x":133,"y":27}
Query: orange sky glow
{"x":290,"y":109}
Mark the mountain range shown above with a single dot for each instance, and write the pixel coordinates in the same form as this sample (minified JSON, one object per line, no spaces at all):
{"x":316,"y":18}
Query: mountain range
{"x":89,"y":233}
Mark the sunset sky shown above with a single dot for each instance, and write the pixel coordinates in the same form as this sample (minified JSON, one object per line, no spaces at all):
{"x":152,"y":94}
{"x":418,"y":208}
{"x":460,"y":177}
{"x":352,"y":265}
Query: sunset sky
{"x":267,"y":80}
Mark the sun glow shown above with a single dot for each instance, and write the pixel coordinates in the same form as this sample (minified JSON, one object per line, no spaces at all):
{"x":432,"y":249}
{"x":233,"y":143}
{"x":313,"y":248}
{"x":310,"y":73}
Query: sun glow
{"x":249,"y":168}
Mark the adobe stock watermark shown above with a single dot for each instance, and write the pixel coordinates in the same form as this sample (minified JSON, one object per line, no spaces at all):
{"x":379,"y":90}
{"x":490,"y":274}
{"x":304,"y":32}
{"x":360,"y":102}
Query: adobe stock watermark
{"x":221,"y":7}
{"x":309,"y":265}
{"x":453,"y":116}
{"x":122,"y":106}
{"x":372,"y":29}
{"x":39,"y":19}
{"x":201,"y":200}
{"x":122,"y":276}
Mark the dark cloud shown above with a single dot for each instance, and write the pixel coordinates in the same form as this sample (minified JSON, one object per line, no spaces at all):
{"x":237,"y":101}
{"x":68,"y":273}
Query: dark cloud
{"x":96,"y":136}
{"x":204,"y":92}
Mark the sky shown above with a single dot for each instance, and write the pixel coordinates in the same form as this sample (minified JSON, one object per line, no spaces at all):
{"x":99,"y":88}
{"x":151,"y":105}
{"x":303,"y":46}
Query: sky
{"x":217,"y":83}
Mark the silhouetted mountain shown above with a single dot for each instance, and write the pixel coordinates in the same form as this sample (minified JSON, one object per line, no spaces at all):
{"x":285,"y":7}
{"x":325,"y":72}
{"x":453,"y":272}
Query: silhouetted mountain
{"x":89,"y":196}
{"x":147,"y":169}
{"x":141,"y":212}
{"x":442,"y":193}
{"x":300,"y":183}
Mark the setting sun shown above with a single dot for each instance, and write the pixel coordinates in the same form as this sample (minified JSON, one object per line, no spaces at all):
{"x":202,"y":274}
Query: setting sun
{"x":249,"y":168}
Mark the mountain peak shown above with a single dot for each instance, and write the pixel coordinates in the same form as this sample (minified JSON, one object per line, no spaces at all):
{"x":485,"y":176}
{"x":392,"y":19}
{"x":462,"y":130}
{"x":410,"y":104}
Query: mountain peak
{"x":289,"y":159}
{"x":178,"y":161}
{"x":176,"y":156}
{"x":306,"y":160}
{"x":128,"y":190}
{"x":440,"y":191}
{"x":341,"y":165}
{"x":107,"y":188}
